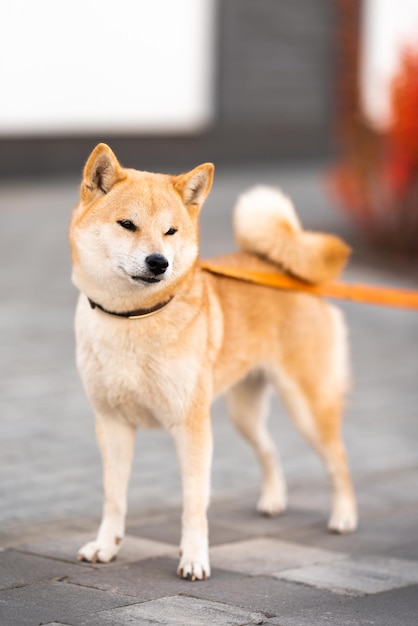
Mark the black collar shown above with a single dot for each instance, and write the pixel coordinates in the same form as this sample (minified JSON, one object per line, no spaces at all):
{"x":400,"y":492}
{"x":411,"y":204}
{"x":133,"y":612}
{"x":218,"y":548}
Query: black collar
{"x":133,"y":315}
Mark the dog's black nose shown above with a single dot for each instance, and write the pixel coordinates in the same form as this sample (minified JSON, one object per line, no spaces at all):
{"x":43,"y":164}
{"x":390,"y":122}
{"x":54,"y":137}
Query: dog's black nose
{"x":157,"y":263}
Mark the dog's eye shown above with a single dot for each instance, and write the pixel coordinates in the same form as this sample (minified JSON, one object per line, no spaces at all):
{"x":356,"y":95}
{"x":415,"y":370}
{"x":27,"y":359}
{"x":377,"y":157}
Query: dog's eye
{"x":128,"y":225}
{"x":171,"y":231}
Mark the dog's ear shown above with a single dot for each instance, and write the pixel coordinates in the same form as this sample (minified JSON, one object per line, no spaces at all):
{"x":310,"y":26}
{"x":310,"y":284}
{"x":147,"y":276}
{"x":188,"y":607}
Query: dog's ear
{"x":195,"y":185}
{"x":101,"y":172}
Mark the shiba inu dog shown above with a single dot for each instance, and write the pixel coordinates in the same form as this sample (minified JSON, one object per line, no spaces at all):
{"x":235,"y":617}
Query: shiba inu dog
{"x":158,"y":338}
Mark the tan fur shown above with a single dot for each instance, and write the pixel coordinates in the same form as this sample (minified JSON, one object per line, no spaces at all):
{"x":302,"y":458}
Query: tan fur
{"x":265,"y":223}
{"x":216,"y":335}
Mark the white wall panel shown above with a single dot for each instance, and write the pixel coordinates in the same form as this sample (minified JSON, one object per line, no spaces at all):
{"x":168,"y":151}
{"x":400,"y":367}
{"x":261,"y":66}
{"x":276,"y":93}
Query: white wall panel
{"x":84,"y":66}
{"x":388,"y":27}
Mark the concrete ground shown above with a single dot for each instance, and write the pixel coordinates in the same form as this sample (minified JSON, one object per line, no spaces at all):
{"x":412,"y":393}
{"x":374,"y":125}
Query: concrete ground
{"x":286,"y":571}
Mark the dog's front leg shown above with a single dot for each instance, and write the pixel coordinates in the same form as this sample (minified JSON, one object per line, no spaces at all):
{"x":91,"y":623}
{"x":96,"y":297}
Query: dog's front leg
{"x":193,"y":441}
{"x":116,"y":440}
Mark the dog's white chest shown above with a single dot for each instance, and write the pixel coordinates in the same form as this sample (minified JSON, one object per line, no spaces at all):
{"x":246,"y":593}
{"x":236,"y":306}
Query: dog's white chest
{"x":147,"y":382}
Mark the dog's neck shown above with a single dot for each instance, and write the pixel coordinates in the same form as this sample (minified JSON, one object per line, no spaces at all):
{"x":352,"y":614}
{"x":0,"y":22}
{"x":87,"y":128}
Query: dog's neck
{"x":136,"y":313}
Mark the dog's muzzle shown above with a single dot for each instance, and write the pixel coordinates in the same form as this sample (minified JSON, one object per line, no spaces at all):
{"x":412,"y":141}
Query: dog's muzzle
{"x":156,"y":263}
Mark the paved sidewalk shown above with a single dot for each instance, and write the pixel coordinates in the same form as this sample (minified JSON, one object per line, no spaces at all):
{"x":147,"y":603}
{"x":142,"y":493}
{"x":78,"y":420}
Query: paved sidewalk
{"x":285,"y":571}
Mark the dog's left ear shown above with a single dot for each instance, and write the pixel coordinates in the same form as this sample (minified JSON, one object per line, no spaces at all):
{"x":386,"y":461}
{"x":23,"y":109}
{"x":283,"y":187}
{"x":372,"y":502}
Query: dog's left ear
{"x":101,"y":172}
{"x":195,"y":185}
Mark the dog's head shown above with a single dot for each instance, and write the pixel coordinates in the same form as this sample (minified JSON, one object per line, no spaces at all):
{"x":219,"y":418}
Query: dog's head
{"x":134,"y":230}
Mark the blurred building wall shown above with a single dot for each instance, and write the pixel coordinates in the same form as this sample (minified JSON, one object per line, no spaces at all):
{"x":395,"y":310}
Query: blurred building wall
{"x":386,"y":32}
{"x":273,"y":97}
{"x":93,"y":66}
{"x":276,"y":64}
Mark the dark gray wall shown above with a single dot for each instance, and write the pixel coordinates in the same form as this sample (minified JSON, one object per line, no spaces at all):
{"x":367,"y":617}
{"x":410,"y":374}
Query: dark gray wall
{"x":276,"y":63}
{"x":275,"y":97}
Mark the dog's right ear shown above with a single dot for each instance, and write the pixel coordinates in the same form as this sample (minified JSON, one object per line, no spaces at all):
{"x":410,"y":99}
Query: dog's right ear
{"x":194,"y":186}
{"x":101,"y":172}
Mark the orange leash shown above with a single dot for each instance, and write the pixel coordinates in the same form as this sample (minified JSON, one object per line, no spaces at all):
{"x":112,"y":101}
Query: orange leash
{"x":383,"y":296}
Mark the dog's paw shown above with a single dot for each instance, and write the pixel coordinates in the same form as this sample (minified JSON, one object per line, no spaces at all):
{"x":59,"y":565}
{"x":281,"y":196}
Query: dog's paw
{"x":194,"y":570}
{"x":99,"y":551}
{"x":344,"y":520}
{"x":272,"y":504}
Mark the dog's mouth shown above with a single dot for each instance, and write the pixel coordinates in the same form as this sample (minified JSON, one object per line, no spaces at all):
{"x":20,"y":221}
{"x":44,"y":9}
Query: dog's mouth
{"x":149,"y":280}
{"x":144,"y":279}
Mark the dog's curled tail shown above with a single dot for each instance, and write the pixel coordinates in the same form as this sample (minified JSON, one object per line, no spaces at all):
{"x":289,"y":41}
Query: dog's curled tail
{"x":265,"y":223}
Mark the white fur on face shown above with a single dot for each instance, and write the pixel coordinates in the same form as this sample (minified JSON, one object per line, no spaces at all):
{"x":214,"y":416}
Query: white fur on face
{"x":112,"y":256}
{"x":129,"y":260}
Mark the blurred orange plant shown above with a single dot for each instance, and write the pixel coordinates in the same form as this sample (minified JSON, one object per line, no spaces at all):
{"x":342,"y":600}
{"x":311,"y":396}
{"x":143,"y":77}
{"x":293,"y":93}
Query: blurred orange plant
{"x":376,"y":180}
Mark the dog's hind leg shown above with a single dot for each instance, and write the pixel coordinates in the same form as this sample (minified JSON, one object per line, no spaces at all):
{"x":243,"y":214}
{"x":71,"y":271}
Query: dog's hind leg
{"x":248,"y":406}
{"x":116,"y":440}
{"x":318,"y":418}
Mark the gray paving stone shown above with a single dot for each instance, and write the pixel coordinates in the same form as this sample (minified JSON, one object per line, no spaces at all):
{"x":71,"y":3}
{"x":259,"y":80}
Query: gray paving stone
{"x":18,"y":569}
{"x":29,"y":531}
{"x":263,"y":556}
{"x":382,"y":488}
{"x":240,"y":515}
{"x":276,"y":598}
{"x":174,"y":610}
{"x":289,"y":604}
{"x":55,"y":601}
{"x":407,"y":550}
{"x":383,"y":531}
{"x":133,"y":548}
{"x":168,"y":530}
{"x":146,"y":580}
{"x":356,"y":575}
{"x":165,"y":529}
{"x":391,"y":608}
